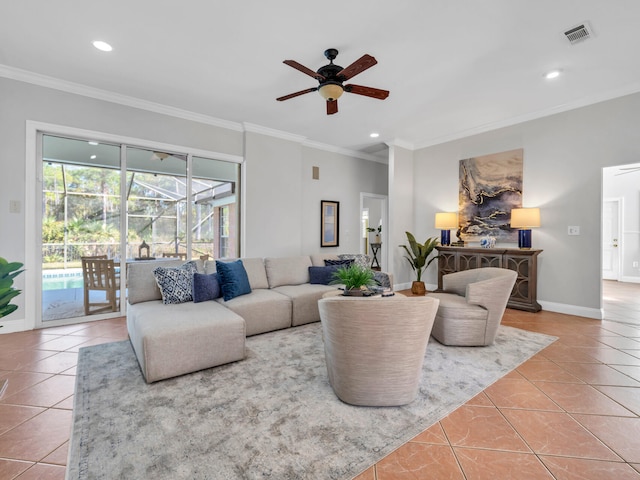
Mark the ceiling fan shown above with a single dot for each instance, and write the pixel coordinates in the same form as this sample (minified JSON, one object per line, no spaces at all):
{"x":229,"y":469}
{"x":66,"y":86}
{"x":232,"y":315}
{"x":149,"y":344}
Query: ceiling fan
{"x":628,"y":170}
{"x":331,"y":78}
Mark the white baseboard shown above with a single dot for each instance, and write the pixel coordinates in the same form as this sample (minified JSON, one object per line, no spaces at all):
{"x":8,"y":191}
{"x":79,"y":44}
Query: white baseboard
{"x":630,"y":279}
{"x":596,"y":313}
{"x":11,"y":326}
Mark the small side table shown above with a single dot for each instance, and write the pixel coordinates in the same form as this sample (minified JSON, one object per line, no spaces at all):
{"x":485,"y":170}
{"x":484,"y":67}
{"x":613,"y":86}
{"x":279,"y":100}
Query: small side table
{"x":375,"y":248}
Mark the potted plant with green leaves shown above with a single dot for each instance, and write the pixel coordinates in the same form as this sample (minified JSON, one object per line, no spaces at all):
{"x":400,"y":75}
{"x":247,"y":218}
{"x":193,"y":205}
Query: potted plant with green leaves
{"x":355,"y":279}
{"x":418,"y":257}
{"x":8,"y":271}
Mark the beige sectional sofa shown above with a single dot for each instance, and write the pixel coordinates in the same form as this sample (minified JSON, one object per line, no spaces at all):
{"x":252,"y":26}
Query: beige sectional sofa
{"x":171,"y":340}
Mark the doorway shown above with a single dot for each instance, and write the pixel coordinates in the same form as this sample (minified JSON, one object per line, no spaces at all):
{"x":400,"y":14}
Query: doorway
{"x":620,"y":240}
{"x":374,"y":222}
{"x":611,"y":213}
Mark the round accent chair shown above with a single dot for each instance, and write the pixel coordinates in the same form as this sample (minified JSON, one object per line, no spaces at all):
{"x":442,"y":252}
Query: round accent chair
{"x":375,"y":347}
{"x":471,"y":306}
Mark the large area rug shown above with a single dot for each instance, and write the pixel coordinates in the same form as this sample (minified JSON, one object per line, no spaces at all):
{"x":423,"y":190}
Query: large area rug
{"x":272,"y":415}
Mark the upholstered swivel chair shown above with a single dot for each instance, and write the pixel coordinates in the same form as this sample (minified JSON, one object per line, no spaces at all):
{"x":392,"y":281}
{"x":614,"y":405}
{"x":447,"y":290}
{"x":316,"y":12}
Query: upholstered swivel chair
{"x":375,"y":347}
{"x":472,"y":305}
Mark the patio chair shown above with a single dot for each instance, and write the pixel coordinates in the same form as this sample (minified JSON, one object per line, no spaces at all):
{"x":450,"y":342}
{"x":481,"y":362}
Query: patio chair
{"x":181,"y":256}
{"x":99,"y":274}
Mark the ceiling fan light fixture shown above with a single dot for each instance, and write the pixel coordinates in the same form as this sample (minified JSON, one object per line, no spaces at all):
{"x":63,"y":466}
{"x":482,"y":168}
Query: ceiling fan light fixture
{"x":331,"y":91}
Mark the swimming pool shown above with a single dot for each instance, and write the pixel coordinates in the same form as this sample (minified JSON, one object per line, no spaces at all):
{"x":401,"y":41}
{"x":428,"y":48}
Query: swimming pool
{"x":62,"y":279}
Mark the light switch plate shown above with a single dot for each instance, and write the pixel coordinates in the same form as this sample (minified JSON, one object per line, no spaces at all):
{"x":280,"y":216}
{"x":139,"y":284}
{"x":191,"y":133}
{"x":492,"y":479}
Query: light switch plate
{"x":574,"y":230}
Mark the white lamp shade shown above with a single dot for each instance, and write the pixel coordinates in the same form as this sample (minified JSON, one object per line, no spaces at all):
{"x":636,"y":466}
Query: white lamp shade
{"x":525,"y":217}
{"x":446,"y":220}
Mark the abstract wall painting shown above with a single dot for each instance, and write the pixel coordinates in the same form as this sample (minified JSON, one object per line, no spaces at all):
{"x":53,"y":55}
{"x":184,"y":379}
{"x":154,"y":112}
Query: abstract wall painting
{"x":490,"y":186}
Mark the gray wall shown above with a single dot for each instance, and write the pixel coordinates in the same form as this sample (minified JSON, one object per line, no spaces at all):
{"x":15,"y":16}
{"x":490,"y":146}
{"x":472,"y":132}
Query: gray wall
{"x":402,"y":218}
{"x":282,"y":203}
{"x":283,"y":200}
{"x":564,"y":155}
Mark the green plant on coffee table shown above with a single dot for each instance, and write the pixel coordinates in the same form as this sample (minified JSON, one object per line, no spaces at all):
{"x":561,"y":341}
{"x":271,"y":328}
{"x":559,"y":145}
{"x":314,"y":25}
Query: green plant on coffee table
{"x":418,"y":253}
{"x":354,"y":277}
{"x":8,"y":271}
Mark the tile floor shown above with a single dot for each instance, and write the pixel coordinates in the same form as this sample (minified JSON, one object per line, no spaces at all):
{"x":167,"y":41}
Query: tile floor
{"x":570,"y":412}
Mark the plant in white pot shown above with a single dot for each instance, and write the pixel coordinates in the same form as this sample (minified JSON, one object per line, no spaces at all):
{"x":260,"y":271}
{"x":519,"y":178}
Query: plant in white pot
{"x":355,"y":279}
{"x":377,"y":238}
{"x":417,"y":256}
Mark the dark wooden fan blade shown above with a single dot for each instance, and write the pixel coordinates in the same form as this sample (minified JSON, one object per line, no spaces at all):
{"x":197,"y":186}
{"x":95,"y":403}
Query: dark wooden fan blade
{"x":359,"y":66}
{"x":367,"y":91}
{"x":296,"y":94}
{"x":332,"y":107}
{"x":303,"y":69}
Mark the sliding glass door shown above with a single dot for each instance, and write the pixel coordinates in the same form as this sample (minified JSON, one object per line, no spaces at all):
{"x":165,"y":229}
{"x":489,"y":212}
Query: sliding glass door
{"x":81,"y":208}
{"x":177,"y":205}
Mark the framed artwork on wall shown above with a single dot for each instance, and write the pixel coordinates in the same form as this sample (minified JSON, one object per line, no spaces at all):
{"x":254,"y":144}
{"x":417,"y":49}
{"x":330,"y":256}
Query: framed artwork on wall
{"x":490,"y":186}
{"x":329,"y":222}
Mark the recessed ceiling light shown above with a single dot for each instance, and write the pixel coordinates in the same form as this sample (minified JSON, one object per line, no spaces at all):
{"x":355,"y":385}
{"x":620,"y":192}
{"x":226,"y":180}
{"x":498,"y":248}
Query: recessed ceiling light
{"x":374,"y":135}
{"x":552,"y":74}
{"x":93,"y":157}
{"x":103,"y":46}
{"x":92,"y":143}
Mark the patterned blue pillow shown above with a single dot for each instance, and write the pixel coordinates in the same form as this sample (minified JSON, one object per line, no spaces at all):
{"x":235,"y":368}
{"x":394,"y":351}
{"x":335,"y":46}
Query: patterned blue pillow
{"x":358,"y":258}
{"x":205,"y":287}
{"x":345,"y":262}
{"x":175,"y":284}
{"x":233,"y":279}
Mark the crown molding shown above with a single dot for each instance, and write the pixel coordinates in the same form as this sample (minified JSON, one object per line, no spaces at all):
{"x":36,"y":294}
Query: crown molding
{"x":254,"y":128}
{"x":397,"y":142}
{"x":509,"y":122}
{"x":344,"y":151}
{"x":272,"y":132}
{"x":99,"y":94}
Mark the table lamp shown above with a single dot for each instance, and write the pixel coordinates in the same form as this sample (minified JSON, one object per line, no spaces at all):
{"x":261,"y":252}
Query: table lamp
{"x":445,"y":221}
{"x":525,"y":219}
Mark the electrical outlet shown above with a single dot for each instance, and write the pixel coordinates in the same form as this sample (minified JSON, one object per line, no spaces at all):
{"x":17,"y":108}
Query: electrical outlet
{"x":14,"y":206}
{"x":574,"y":230}
{"x":635,"y":264}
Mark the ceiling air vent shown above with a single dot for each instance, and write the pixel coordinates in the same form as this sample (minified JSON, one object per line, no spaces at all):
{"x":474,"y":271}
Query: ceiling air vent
{"x":579,"y":33}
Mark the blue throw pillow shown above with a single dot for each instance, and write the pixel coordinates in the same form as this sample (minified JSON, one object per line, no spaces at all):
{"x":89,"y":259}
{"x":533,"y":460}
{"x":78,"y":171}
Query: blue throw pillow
{"x":322,"y":275}
{"x":233,"y":279}
{"x":205,"y":287}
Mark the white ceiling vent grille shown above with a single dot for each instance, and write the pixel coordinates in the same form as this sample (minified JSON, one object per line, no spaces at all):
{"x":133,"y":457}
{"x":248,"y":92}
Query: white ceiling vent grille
{"x":579,"y":33}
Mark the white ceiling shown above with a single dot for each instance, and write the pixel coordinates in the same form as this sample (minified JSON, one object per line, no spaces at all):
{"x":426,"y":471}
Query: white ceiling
{"x":454,"y":68}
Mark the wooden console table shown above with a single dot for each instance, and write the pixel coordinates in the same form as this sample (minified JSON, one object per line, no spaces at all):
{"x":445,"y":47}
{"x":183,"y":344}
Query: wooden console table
{"x":523,"y":262}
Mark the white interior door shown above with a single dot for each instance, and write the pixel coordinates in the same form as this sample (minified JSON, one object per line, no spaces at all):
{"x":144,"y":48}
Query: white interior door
{"x":611,"y":239}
